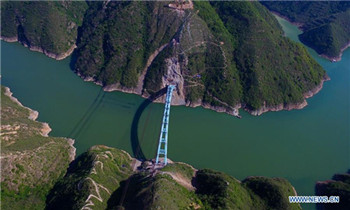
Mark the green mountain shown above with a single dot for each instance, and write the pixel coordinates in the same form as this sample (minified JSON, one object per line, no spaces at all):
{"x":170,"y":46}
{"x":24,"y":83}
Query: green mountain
{"x":325,"y":24}
{"x":91,"y":179}
{"x":338,"y":186}
{"x":108,"y":178}
{"x":221,"y":55}
{"x":49,"y":27}
{"x":31,"y":162}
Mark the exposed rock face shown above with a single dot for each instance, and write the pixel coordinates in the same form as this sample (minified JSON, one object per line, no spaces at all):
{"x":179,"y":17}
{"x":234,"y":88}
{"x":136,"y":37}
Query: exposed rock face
{"x":174,"y":77}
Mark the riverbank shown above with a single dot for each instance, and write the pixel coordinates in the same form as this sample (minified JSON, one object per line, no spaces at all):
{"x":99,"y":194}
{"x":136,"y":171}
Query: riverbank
{"x":300,"y":27}
{"x":337,"y":58}
{"x":60,"y":56}
{"x":289,"y":107}
{"x":46,"y":129}
{"x":297,"y":24}
{"x":234,"y":111}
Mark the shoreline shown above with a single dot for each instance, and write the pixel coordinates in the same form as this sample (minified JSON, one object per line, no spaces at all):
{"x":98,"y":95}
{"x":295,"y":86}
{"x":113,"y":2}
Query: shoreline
{"x":58,"y":57}
{"x":45,"y":130}
{"x":337,"y":58}
{"x":234,"y":111}
{"x":300,"y":27}
{"x":289,"y":107}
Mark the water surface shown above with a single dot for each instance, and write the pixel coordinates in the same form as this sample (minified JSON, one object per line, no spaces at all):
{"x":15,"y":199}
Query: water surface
{"x":303,"y":146}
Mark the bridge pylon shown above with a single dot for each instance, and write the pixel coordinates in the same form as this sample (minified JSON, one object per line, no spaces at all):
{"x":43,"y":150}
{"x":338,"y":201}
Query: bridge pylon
{"x":163,"y":137}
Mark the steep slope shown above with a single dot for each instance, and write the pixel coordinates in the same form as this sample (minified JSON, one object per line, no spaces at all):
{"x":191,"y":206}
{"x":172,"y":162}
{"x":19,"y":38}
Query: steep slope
{"x":325,"y":24}
{"x":48,"y":27}
{"x":91,"y":179}
{"x":275,"y":72}
{"x":31,"y":162}
{"x":221,"y":55}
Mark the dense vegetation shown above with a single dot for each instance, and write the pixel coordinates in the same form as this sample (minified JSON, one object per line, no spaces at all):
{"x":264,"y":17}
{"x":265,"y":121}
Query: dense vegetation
{"x":51,"y":26}
{"x":219,"y":53}
{"x":30,"y":162}
{"x":338,"y":186}
{"x":273,"y":70}
{"x":229,"y":52}
{"x":117,"y":39}
{"x":325,"y":24}
{"x":220,"y":191}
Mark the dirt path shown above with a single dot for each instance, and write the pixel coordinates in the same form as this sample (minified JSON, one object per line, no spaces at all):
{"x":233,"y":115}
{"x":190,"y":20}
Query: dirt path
{"x":181,"y":180}
{"x":149,"y":62}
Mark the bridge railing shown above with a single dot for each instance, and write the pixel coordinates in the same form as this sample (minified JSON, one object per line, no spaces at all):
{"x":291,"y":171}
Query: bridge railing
{"x":163,"y":137}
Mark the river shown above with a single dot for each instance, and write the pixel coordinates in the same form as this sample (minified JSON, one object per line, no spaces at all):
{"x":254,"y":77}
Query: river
{"x":303,"y":146}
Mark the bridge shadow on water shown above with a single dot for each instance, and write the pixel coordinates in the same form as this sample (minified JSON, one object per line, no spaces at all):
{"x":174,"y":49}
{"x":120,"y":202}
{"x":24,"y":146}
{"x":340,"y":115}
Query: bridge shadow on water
{"x":82,"y":122}
{"x":135,"y":140}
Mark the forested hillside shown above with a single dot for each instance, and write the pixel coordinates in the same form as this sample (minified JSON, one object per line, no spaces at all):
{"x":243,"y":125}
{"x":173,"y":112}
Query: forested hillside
{"x":221,"y":55}
{"x":50,"y":27}
{"x":326,"y":24}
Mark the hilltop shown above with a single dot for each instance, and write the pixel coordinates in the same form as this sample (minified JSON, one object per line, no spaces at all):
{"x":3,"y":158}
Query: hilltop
{"x":325,"y":24}
{"x":221,"y":55}
{"x":31,"y":162}
{"x":105,"y":177}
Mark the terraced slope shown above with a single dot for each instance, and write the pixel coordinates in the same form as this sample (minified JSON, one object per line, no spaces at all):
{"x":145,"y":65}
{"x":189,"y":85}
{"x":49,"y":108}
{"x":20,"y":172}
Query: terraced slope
{"x":91,"y":179}
{"x":31,"y":162}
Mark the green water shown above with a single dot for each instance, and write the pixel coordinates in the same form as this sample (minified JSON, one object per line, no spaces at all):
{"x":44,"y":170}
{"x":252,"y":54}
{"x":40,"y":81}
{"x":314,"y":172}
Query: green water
{"x":301,"y":145}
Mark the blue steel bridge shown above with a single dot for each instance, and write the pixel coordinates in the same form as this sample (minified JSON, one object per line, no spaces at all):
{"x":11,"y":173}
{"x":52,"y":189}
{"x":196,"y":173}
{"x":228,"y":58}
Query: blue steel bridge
{"x":163,"y":137}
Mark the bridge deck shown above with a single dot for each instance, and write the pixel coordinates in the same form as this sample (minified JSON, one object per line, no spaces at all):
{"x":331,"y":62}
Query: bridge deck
{"x":163,"y":138}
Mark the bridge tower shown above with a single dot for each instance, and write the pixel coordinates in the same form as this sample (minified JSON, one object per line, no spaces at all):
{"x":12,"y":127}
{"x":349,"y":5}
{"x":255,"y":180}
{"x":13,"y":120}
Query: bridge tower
{"x":163,"y":138}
